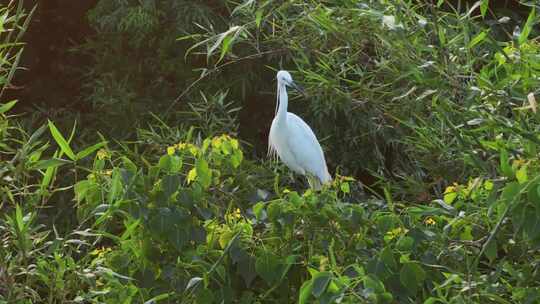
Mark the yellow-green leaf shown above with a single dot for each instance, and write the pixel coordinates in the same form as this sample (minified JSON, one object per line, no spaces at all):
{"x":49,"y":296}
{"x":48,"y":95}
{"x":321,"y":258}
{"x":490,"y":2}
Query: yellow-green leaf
{"x":192,"y":175}
{"x":7,"y":106}
{"x":521,"y":175}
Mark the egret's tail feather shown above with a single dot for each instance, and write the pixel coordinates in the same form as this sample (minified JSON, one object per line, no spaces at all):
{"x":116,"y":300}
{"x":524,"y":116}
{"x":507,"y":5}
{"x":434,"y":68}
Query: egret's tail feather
{"x":316,"y":183}
{"x":327,"y":178}
{"x":272,"y":153}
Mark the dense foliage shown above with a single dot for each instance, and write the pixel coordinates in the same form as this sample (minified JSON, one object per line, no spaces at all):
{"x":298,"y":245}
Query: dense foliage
{"x":437,"y":102}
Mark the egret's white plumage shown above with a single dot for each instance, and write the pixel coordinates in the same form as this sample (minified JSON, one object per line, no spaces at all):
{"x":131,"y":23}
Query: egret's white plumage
{"x":293,"y":140}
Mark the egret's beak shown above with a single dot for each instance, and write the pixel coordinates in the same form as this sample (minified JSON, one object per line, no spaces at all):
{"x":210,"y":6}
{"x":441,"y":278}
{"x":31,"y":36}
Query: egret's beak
{"x":298,"y":88}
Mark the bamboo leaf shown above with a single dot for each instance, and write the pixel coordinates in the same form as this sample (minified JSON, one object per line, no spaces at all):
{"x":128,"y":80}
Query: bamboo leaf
{"x":483,"y":7}
{"x":61,"y":141}
{"x":7,"y":106}
{"x":49,"y":163}
{"x":89,"y":150}
{"x":477,"y":39}
{"x":528,"y":27}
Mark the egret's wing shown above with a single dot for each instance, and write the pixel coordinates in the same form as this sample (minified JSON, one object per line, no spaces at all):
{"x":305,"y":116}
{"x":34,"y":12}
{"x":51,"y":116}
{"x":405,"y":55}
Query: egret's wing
{"x":306,"y":148}
{"x":272,"y":149}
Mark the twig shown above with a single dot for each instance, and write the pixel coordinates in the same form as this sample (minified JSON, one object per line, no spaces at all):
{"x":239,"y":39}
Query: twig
{"x":215,"y":69}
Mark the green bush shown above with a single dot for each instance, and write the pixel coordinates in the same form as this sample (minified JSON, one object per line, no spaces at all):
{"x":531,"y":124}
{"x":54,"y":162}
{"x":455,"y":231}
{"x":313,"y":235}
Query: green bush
{"x":195,"y":224}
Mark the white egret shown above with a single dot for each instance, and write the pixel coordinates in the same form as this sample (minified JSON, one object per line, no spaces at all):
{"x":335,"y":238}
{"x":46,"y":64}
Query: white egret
{"x":293,"y":140}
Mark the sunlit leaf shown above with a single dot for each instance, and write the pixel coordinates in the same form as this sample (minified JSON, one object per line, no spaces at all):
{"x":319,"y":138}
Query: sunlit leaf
{"x":305,"y":292}
{"x":484,"y":7}
{"x":477,"y":39}
{"x":89,"y":150}
{"x":61,"y":141}
{"x":521,"y":174}
{"x":7,"y":106}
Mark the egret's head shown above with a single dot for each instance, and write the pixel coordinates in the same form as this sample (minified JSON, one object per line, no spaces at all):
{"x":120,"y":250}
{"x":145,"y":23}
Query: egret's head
{"x":285,"y":78}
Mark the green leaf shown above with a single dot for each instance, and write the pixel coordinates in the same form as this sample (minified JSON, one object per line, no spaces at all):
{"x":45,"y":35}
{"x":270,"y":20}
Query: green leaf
{"x":89,"y":150}
{"x":273,"y":211}
{"x":247,"y":271}
{"x":305,"y":292}
{"x":170,"y":184}
{"x":483,"y":7}
{"x":387,"y":257}
{"x":405,"y":243}
{"x":129,"y":165}
{"x":412,"y":276}
{"x":61,"y":141}
{"x":204,"y":175}
{"x":218,"y":39}
{"x":477,"y":39}
{"x":7,"y":106}
{"x":528,"y":26}
{"x":466,"y":234}
{"x":267,"y":267}
{"x":533,"y":195}
{"x":19,"y":218}
{"x":320,"y":282}
{"x":225,"y":47}
{"x":371,"y":282}
{"x":236,"y":158}
{"x":204,"y":296}
{"x":505,"y":167}
{"x":49,"y":163}
{"x":36,"y":135}
{"x":531,"y":223}
{"x":116,"y":186}
{"x":48,"y":176}
{"x":521,"y":175}
{"x":258,"y":17}
{"x":289,"y":261}
{"x":225,"y":238}
{"x":491,"y":250}
{"x":386,"y":223}
{"x":160,"y":297}
{"x":510,"y":191}
{"x":345,"y":187}
{"x":450,"y":197}
{"x":164,"y":162}
{"x":258,"y":209}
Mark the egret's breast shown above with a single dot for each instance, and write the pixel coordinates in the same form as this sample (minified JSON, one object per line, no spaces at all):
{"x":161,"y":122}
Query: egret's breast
{"x":279,"y":142}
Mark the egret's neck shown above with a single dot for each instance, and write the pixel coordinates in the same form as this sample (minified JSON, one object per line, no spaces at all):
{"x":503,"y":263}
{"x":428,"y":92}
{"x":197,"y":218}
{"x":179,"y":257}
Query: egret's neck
{"x":283,"y":102}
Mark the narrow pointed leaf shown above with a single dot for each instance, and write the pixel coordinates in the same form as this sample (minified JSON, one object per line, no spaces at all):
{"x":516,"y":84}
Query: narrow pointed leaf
{"x":49,"y":163}
{"x":89,"y":150}
{"x":7,"y":106}
{"x":61,"y":141}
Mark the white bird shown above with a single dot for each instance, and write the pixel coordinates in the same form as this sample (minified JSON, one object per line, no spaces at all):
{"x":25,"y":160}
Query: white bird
{"x":293,"y":140}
